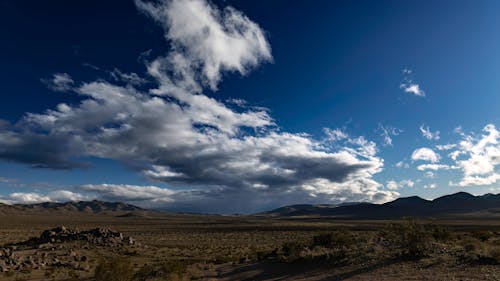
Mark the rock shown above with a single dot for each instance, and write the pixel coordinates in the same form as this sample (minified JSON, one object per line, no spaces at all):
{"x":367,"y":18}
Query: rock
{"x":54,"y":240}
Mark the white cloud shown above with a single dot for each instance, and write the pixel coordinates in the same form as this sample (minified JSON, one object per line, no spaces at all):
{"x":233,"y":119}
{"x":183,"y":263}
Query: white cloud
{"x":435,"y":167}
{"x":335,"y":134}
{"x":430,"y":186}
{"x":446,"y":146}
{"x":34,"y":197}
{"x":394,"y":185}
{"x":173,"y":133}
{"x":425,"y":154}
{"x":387,"y":132}
{"x":413,"y":88}
{"x":144,"y":196}
{"x":129,"y":78}
{"x":478,"y":157}
{"x":409,"y":86}
{"x":24,"y":198}
{"x":60,"y":82}
{"x":428,"y":134}
{"x":402,"y":164}
{"x":429,"y":175}
{"x":217,"y":40}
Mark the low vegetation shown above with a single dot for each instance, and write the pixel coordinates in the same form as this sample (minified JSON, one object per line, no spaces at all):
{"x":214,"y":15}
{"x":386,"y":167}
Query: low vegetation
{"x":201,"y":247}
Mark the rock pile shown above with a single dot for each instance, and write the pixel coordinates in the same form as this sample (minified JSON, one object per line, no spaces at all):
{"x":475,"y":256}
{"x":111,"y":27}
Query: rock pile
{"x":51,"y":250}
{"x":98,"y":236}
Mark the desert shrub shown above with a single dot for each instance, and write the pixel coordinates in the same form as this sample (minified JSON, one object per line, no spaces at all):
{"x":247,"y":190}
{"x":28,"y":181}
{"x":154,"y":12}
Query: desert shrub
{"x":115,"y":269}
{"x":146,"y":272}
{"x":168,"y":270}
{"x":292,"y":249}
{"x":493,"y":252}
{"x":173,"y":266}
{"x":224,"y":259}
{"x":471,"y":247}
{"x":482,"y":234}
{"x":336,"y":239}
{"x":410,"y":237}
{"x":260,"y":254}
{"x":441,"y":233}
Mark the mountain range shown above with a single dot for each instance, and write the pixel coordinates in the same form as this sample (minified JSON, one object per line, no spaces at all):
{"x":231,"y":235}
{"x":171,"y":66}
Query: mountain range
{"x":91,"y":207}
{"x":414,"y":206}
{"x":461,"y":203}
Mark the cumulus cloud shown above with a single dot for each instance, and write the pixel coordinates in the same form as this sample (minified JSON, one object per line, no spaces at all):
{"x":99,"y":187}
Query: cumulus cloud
{"x":34,"y":197}
{"x":478,"y":157}
{"x":394,"y":185}
{"x":214,"y":40}
{"x":59,"y":82}
{"x":173,"y":133}
{"x":425,"y":154}
{"x":428,"y":134}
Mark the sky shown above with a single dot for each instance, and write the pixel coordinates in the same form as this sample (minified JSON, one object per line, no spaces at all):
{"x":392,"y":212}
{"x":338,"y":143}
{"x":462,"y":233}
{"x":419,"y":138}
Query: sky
{"x":242,"y":106}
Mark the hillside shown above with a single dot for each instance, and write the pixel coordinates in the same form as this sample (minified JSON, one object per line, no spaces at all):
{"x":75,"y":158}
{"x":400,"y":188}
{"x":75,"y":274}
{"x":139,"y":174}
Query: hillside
{"x":90,"y":207}
{"x":458,"y":203}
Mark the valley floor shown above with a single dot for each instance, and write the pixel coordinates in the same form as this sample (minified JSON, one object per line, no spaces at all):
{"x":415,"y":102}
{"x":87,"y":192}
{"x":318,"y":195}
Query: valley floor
{"x":199,"y":247}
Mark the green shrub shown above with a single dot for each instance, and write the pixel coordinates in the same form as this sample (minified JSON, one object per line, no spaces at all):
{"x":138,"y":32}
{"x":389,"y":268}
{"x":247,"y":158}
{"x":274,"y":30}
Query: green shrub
{"x":292,"y":249}
{"x":494,"y":252}
{"x":145,"y":273}
{"x":482,"y":234}
{"x":410,"y":237}
{"x":115,"y":269}
{"x":336,"y":239}
{"x":173,"y":267}
{"x":441,"y":233}
{"x":168,"y":270}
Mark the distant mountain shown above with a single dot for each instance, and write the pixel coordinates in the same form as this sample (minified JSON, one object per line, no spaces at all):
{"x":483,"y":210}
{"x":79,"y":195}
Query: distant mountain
{"x":458,"y":203}
{"x":94,"y":206}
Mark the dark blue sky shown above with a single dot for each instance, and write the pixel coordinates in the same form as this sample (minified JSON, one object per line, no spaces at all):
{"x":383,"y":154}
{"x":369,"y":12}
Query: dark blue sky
{"x":336,"y":64}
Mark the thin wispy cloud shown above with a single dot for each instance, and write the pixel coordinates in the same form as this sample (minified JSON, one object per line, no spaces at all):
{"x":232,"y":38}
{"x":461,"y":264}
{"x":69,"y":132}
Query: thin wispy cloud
{"x":401,"y":165}
{"x":59,"y":82}
{"x":128,"y":78}
{"x":387,"y":133}
{"x":409,"y":85}
{"x":428,"y":134}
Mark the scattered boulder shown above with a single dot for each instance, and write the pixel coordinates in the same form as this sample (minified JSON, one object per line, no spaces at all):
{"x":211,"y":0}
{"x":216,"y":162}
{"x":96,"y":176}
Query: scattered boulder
{"x":98,"y":236}
{"x":41,"y":251}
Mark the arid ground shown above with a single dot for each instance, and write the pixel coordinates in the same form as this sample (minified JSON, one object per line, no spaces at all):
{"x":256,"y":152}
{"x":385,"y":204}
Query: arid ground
{"x":202,"y":247}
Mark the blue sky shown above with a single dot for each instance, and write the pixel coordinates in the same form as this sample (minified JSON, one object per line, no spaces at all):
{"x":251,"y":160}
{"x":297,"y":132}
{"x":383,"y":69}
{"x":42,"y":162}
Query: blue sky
{"x":195,"y":106}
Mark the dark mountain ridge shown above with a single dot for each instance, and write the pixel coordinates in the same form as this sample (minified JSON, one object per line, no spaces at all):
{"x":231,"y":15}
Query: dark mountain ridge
{"x":457,"y":203}
{"x":94,"y":206}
